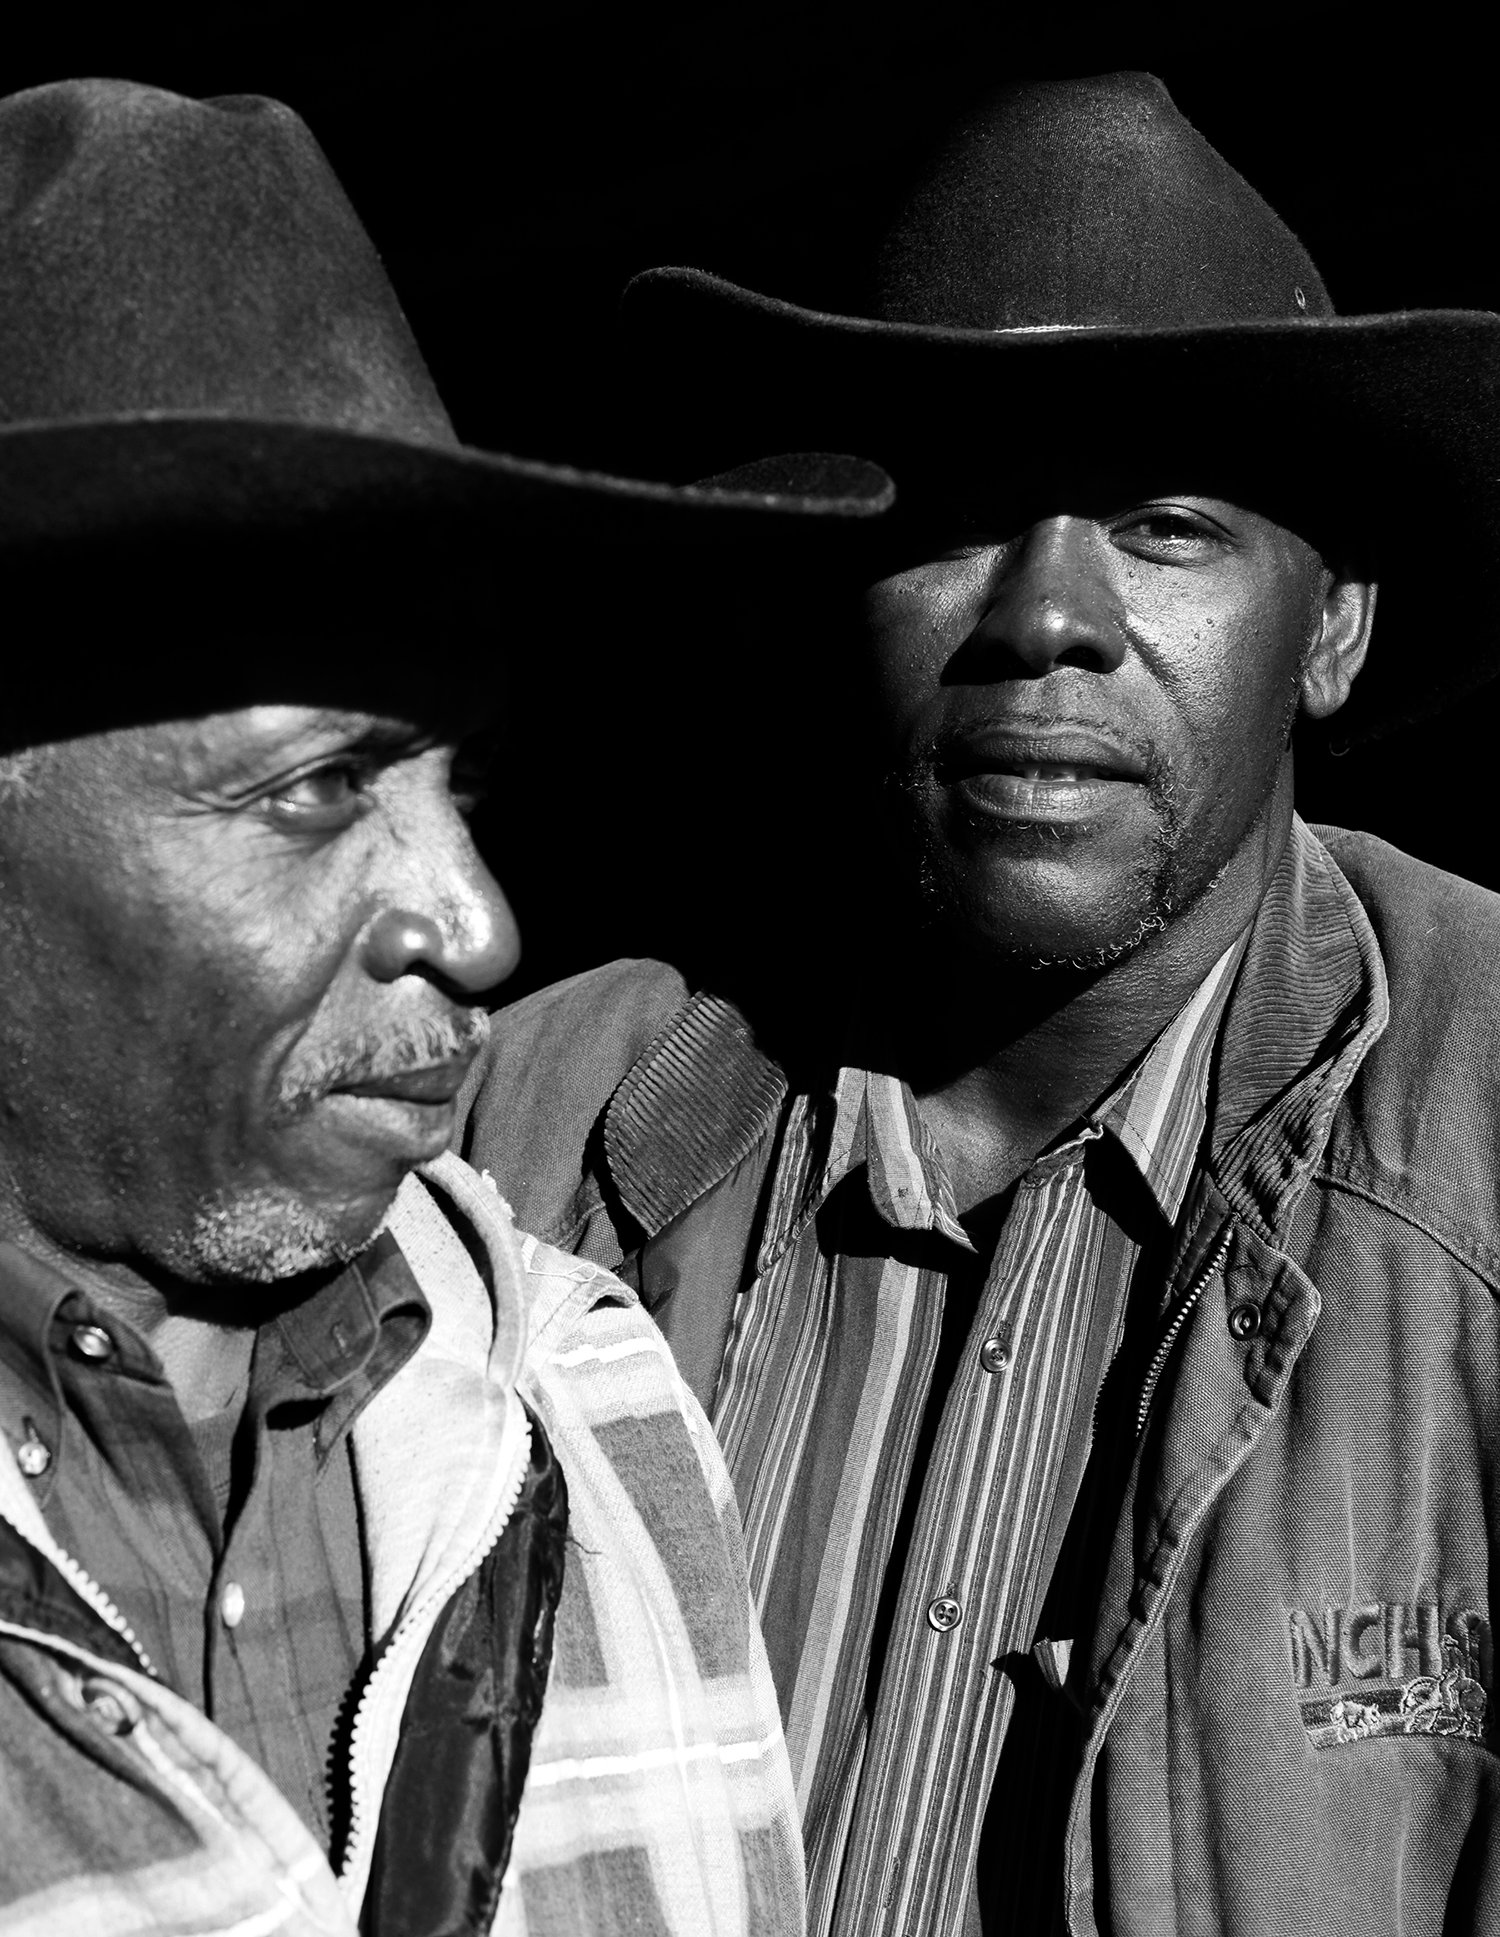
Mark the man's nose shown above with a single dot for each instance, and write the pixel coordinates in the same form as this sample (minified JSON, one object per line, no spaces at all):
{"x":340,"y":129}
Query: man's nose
{"x":1052,"y":603}
{"x":457,"y":930}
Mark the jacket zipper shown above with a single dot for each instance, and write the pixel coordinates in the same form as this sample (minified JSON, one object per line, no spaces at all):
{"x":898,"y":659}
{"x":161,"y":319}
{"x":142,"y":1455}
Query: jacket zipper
{"x":88,"y":1589}
{"x":416,"y":1622}
{"x":1180,"y":1318}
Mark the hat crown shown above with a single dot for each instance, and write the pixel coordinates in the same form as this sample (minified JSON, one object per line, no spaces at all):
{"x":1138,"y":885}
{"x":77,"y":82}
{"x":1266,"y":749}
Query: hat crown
{"x":1085,"y":203}
{"x":165,"y":255}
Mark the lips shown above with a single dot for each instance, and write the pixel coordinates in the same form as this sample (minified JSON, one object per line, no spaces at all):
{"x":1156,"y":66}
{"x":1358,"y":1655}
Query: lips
{"x":399,"y":1117}
{"x":1066,"y":775}
{"x":1070,"y":757}
{"x":433,"y":1083}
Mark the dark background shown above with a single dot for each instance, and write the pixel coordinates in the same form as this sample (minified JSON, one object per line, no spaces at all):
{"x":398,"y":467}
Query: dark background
{"x":516,"y":164}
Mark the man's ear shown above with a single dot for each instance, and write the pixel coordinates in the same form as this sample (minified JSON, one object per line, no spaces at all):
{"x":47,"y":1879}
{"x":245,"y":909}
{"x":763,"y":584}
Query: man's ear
{"x":1337,"y":653}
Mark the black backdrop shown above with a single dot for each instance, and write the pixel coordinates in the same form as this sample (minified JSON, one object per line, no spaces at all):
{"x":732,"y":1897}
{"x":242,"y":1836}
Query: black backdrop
{"x":516,"y":164}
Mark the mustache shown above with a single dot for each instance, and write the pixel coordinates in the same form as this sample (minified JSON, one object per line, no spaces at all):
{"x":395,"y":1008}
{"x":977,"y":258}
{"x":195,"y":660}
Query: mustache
{"x":373,"y":1054}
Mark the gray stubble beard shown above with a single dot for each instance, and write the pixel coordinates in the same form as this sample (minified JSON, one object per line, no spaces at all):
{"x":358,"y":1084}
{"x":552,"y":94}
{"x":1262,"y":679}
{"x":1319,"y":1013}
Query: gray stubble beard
{"x":261,"y":1236}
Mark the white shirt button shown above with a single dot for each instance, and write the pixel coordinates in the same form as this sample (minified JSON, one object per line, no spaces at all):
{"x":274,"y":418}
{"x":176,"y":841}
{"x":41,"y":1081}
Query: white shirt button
{"x":232,"y":1604}
{"x":944,"y":1613}
{"x":33,"y":1455}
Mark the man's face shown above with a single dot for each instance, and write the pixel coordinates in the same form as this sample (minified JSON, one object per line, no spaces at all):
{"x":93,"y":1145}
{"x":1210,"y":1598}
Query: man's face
{"x":1087,"y":705}
{"x":239,"y":962}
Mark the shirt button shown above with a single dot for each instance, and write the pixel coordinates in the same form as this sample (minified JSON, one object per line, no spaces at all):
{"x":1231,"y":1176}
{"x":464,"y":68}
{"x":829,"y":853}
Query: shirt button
{"x":944,"y":1613}
{"x":994,"y":1355}
{"x":33,"y":1455}
{"x":91,"y":1342}
{"x":1244,"y":1321}
{"x":232,"y":1604}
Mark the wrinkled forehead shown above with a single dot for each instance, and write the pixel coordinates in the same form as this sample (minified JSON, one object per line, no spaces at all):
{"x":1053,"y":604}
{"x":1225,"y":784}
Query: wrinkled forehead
{"x":91,"y":778}
{"x":203,"y":689}
{"x":200,"y":749}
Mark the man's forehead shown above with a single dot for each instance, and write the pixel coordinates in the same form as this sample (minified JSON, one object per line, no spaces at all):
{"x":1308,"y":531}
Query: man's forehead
{"x":276,"y":722}
{"x":288,"y":730}
{"x":1026,"y":469}
{"x":1012,"y":499}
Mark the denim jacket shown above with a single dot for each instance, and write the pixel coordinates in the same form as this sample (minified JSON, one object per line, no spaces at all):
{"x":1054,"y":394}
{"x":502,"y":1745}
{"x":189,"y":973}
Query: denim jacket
{"x":1286,"y":1680}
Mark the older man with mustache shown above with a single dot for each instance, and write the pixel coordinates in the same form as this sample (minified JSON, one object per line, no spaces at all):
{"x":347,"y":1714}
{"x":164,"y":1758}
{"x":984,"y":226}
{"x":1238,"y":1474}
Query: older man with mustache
{"x":363,"y":1564}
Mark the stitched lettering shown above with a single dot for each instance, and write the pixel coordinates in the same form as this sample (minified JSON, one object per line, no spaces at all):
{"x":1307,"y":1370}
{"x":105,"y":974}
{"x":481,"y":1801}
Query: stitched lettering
{"x":1388,"y":1641}
{"x":1417,"y":1673}
{"x":1352,"y":1662}
{"x":1312,"y":1647}
{"x":1413,"y":1640}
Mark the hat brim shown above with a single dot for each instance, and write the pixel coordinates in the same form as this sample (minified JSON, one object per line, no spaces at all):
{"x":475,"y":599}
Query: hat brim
{"x":108,"y":479}
{"x":1419,"y":389}
{"x":1417,"y":371}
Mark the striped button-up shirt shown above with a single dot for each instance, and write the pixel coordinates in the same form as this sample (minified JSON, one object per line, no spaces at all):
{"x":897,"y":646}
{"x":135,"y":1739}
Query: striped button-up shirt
{"x":906,"y":1482}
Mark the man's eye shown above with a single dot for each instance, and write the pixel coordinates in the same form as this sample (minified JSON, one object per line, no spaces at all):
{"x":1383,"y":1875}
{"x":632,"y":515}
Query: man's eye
{"x":1166,"y":532}
{"x":323,"y":800}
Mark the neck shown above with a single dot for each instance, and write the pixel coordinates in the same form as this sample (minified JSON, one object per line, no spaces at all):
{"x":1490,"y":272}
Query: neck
{"x":1003,"y":1058}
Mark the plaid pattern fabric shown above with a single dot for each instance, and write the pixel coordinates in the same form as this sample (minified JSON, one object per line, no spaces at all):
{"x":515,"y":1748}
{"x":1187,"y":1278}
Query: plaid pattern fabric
{"x":893,"y":1586}
{"x":659,"y":1800}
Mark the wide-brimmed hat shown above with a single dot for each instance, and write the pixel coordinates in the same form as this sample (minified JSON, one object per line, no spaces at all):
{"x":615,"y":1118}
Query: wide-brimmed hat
{"x":197,"y":339}
{"x":1081,"y":265}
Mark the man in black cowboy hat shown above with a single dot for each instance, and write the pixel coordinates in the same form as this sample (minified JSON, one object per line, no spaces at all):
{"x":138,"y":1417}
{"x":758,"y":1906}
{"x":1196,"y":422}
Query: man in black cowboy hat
{"x":1097,"y":1299}
{"x":293,"y":1423}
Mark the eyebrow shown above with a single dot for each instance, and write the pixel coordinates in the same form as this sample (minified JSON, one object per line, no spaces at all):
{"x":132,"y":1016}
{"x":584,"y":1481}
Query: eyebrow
{"x":371,"y":731}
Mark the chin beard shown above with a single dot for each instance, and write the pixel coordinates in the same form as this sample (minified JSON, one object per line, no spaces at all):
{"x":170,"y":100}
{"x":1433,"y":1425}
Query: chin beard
{"x":1094,"y":961}
{"x":1147,"y":903}
{"x":261,"y":1237}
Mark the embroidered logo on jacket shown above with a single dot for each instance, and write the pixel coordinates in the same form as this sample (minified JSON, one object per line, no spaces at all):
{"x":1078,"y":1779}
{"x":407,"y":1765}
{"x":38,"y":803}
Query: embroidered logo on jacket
{"x":1386,"y":1668}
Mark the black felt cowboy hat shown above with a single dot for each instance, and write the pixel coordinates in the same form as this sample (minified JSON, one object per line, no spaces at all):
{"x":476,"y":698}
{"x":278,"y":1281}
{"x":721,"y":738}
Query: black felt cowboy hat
{"x":197,"y":338}
{"x":1081,"y":263}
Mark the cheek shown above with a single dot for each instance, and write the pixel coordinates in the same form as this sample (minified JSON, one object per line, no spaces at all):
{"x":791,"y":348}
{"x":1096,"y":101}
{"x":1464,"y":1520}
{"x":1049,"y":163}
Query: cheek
{"x":187,"y":981}
{"x":914,"y":623}
{"x":1229,"y":671}
{"x":242,"y":963}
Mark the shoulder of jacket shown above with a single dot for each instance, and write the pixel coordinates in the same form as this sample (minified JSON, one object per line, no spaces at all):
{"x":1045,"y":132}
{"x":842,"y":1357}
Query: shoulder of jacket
{"x":529,"y":1111}
{"x":617,"y":1007}
{"x":1439,"y":939}
{"x":1450,"y":923}
{"x":1420,"y":1130}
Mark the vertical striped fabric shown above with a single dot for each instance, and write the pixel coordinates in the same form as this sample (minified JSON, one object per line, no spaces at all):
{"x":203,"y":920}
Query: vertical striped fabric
{"x":895,"y":1737}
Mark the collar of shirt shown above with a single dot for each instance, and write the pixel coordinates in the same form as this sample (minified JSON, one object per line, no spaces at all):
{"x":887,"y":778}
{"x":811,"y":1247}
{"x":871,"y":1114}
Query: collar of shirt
{"x":334,"y":1349}
{"x":1156,"y":1113}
